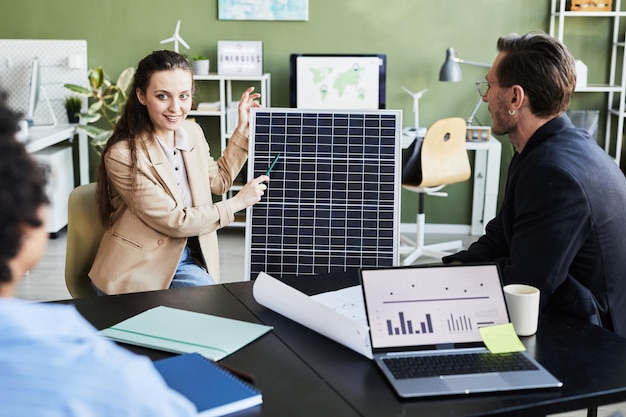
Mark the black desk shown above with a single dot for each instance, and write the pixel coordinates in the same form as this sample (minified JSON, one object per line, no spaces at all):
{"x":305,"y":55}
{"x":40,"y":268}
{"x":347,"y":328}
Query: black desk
{"x":289,"y":386}
{"x":302,"y":373}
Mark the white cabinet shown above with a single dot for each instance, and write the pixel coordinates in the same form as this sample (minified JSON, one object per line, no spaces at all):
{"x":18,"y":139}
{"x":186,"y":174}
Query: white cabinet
{"x":228,"y":119}
{"x":57,"y":164}
{"x":615,"y":87}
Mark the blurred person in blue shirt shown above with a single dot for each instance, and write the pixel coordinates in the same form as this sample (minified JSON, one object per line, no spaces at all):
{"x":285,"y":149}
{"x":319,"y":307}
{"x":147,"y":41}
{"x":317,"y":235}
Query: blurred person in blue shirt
{"x":52,"y":361}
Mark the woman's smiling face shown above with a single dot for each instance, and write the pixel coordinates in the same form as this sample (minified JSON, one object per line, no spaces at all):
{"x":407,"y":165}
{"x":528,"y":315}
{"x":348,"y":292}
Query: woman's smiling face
{"x":168,"y":99}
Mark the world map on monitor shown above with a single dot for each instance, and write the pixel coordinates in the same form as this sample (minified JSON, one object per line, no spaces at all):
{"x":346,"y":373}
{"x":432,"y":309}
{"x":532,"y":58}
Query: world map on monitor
{"x":338,"y":82}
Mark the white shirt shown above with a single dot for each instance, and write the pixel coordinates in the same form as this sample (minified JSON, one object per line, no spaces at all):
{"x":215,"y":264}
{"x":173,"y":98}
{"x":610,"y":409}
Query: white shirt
{"x":175,"y":157}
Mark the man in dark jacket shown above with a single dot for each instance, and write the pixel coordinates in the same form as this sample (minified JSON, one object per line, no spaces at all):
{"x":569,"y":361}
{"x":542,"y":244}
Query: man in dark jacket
{"x":562,"y":224}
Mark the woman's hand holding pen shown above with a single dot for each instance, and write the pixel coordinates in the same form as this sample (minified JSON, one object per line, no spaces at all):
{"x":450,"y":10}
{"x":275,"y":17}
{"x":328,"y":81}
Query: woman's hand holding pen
{"x":251,"y":193}
{"x":246,"y":102}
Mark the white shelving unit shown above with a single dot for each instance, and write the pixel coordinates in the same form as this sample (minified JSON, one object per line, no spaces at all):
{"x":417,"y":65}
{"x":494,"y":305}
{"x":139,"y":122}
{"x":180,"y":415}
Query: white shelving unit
{"x":616,"y":86}
{"x":226,"y":94}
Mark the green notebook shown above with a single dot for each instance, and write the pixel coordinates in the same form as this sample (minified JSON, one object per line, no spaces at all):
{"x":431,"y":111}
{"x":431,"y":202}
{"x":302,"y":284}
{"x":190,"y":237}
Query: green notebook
{"x":182,"y":331}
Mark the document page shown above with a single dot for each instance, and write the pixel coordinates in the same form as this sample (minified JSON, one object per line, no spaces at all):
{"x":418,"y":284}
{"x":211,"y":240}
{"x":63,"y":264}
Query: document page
{"x":341,"y":321}
{"x":347,"y":301}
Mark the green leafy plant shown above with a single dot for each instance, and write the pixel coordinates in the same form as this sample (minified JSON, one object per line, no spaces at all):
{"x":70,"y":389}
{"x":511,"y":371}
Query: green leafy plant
{"x":73,"y":104}
{"x":200,"y":58}
{"x":107,"y":103}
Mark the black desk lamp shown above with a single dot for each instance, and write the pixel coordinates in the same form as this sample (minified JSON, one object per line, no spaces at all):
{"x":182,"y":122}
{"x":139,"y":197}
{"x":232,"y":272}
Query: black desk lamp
{"x":451,"y":71}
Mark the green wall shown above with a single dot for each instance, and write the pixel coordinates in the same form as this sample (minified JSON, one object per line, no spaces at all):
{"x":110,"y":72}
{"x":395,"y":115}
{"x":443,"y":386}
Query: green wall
{"x":413,"y":33}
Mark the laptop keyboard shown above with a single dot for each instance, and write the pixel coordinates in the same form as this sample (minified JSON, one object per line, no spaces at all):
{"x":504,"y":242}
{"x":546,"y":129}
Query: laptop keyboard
{"x":457,"y":364}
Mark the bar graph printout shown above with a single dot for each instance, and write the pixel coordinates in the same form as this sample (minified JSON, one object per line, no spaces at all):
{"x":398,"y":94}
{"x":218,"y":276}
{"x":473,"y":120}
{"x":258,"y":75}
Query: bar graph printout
{"x":427,"y":306}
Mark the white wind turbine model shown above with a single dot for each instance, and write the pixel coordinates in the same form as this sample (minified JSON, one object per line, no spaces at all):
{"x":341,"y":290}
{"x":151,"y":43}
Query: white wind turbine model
{"x":176,"y":38}
{"x":416,"y":113}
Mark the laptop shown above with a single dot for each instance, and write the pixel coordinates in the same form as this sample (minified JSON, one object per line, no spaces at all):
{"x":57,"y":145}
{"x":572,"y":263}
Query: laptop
{"x":427,"y":314}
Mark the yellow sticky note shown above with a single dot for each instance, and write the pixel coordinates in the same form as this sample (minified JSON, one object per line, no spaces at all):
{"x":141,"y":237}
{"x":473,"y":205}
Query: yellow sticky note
{"x":501,"y":338}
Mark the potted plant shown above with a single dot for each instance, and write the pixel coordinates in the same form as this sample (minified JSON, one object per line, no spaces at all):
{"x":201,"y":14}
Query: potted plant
{"x":107,"y":103}
{"x":200,"y":65}
{"x":73,"y":105}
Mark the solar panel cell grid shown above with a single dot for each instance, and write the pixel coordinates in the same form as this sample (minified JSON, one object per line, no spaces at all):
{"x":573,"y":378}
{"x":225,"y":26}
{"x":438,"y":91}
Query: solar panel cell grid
{"x":333,"y":198}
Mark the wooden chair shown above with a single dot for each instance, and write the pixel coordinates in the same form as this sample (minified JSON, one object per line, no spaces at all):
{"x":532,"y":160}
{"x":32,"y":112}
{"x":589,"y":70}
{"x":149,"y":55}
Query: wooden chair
{"x":430,"y":164}
{"x":84,"y":232}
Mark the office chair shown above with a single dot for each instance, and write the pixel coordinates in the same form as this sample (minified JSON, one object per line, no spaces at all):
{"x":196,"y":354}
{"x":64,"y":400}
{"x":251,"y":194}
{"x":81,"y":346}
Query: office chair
{"x":428,"y":165}
{"x":84,"y":232}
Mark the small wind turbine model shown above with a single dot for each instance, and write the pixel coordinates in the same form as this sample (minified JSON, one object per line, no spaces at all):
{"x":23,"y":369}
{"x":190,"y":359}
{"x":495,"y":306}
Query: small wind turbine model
{"x":416,"y":112}
{"x":176,"y":38}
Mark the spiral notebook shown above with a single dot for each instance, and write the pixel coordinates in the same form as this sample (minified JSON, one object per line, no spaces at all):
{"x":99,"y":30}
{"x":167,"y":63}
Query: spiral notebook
{"x":214,"y":390}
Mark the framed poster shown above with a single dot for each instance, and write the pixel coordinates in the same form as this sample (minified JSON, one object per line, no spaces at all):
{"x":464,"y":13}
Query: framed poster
{"x":263,"y":10}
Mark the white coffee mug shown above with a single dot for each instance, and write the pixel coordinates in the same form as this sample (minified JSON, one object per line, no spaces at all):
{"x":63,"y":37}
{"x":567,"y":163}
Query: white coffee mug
{"x":523,"y":304}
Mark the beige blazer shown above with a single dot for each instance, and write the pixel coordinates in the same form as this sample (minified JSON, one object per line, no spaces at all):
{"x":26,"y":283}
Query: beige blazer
{"x":141,"y":250}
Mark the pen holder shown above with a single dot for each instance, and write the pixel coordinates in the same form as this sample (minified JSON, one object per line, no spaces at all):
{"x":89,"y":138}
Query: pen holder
{"x":477,"y":133}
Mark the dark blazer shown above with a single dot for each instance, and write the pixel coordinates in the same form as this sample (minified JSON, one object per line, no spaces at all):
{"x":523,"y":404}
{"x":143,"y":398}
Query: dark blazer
{"x":562,"y":226}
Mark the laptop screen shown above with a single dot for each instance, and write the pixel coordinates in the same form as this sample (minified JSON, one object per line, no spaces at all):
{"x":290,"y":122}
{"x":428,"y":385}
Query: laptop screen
{"x":417,"y":306}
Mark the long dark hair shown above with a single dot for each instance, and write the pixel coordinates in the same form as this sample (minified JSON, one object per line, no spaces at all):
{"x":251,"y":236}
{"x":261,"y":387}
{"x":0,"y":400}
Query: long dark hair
{"x":134,"y":124}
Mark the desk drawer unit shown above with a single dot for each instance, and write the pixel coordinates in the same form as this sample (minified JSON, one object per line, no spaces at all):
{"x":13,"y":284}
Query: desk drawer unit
{"x":57,"y":163}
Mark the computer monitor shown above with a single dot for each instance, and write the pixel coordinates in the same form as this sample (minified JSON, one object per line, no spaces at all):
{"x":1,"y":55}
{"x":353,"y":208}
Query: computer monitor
{"x":33,"y":92}
{"x":35,"y":89}
{"x":337,"y":81}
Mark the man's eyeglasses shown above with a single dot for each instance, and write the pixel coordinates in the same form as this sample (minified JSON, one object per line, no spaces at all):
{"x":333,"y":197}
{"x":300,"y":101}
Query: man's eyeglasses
{"x":483,"y":86}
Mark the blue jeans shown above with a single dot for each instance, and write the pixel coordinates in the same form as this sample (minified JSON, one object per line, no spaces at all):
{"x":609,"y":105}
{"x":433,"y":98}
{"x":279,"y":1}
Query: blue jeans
{"x":188,"y":274}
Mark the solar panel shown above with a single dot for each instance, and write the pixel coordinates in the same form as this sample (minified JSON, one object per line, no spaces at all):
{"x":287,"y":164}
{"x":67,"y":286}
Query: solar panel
{"x":333,"y":202}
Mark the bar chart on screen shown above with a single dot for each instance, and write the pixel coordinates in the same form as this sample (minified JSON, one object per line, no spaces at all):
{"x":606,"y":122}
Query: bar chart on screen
{"x":406,"y":326}
{"x":459,"y":323}
{"x":428,"y":305}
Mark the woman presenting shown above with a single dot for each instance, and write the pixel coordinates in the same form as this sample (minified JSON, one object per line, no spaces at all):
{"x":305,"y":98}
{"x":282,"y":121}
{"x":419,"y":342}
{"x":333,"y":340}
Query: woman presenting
{"x":155,"y":186}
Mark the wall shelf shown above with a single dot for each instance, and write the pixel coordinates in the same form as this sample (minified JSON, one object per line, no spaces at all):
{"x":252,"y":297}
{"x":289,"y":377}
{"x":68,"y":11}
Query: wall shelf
{"x":225,"y":87}
{"x":616,"y":86}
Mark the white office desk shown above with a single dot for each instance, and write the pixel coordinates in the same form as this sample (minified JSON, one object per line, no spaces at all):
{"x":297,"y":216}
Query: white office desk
{"x":486,"y":178}
{"x":42,"y":137}
{"x":486,"y":182}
